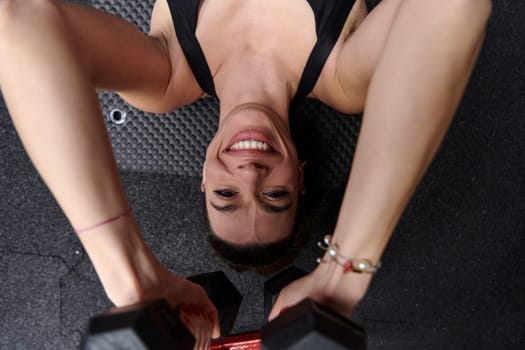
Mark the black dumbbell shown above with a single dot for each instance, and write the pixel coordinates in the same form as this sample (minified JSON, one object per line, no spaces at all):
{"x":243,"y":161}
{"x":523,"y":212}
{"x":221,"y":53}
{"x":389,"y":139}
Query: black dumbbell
{"x":223,"y":295}
{"x":307,"y":325}
{"x":273,"y":286}
{"x":150,"y":325}
{"x":154,"y":325}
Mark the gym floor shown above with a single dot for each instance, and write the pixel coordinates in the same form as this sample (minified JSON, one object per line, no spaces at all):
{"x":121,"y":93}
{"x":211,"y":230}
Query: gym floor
{"x":453,"y":275}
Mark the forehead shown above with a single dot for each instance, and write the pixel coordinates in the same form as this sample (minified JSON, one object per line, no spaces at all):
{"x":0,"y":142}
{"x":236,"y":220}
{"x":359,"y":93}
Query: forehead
{"x":248,"y":225}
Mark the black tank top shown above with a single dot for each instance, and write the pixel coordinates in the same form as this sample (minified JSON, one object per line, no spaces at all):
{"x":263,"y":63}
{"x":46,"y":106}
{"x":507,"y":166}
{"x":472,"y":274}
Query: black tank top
{"x":330,"y":17}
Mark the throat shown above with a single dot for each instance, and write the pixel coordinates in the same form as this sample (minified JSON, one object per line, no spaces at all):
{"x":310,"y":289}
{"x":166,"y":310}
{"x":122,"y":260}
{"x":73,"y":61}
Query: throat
{"x":254,"y":78}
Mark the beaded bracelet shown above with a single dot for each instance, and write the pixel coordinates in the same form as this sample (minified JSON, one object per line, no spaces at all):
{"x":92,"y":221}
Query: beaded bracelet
{"x":348,"y":264}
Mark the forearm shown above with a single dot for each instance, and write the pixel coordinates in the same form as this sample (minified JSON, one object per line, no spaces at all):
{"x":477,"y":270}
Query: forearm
{"x":125,"y":265}
{"x":56,"y":112}
{"x":414,"y":92}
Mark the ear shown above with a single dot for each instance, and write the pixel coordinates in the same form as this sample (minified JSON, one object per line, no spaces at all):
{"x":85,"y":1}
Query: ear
{"x":203,"y":182}
{"x":300,"y":170}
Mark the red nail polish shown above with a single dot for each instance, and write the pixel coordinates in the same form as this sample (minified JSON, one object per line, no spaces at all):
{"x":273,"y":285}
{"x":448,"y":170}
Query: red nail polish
{"x":284,"y":309}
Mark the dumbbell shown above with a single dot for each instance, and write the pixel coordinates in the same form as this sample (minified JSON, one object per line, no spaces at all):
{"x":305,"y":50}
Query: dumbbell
{"x":307,"y":325}
{"x":274,"y":285}
{"x":155,"y":325}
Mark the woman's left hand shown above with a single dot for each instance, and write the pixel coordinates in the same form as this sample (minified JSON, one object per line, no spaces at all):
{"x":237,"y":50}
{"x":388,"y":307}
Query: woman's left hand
{"x":326,"y":285}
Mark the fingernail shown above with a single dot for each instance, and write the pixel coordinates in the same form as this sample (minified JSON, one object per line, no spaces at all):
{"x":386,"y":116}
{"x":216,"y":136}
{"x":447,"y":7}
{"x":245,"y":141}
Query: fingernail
{"x":283,"y":310}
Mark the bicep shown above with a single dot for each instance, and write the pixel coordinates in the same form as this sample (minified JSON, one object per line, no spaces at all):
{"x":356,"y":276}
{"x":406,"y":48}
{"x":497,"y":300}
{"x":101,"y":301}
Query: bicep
{"x":361,"y":51}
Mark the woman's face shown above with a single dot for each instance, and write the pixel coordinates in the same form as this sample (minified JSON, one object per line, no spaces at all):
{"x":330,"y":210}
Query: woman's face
{"x":252,"y":177}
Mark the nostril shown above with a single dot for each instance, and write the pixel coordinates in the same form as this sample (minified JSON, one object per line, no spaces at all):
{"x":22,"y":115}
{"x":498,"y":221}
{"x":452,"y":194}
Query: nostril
{"x":260,"y":166}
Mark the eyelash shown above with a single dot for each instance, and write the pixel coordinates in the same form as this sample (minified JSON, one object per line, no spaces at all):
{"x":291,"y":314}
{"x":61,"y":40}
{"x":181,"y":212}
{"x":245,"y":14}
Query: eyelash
{"x":226,"y":193}
{"x":275,"y":194}
{"x":271,"y":195}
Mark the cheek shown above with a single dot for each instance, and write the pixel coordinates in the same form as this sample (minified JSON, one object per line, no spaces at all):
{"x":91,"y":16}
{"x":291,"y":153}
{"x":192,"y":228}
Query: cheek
{"x":288,"y":174}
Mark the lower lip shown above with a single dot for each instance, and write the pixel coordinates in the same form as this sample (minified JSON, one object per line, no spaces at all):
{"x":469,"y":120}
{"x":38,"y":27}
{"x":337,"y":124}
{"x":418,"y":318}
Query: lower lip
{"x":251,"y":135}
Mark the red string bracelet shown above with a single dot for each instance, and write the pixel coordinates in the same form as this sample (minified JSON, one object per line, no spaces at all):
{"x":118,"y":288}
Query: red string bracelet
{"x":105,"y":222}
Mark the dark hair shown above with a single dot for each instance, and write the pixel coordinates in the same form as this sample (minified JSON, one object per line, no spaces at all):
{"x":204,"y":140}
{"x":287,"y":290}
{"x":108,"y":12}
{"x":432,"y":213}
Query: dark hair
{"x":263,"y":259}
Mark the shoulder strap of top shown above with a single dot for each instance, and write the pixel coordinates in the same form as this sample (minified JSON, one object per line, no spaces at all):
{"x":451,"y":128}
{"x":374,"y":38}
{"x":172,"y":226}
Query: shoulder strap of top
{"x":184,"y":15}
{"x":330,"y":17}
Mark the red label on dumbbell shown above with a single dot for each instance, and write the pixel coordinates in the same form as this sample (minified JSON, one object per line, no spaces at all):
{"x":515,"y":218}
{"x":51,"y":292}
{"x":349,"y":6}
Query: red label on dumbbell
{"x":248,"y":341}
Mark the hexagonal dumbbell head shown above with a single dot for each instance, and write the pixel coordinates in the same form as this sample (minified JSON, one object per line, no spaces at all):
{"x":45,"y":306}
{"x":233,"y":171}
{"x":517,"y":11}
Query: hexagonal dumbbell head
{"x":308,"y":326}
{"x":273,"y":286}
{"x":150,"y":325}
{"x":224,"y":296}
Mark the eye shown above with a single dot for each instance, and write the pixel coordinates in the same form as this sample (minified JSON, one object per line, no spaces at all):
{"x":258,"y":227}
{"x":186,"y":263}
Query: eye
{"x":225,"y":193}
{"x":275,"y":194}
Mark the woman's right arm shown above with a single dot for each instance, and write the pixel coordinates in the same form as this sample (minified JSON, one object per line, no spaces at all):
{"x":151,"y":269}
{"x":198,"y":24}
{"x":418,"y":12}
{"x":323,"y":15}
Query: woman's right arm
{"x":54,"y":55}
{"x":51,"y":54}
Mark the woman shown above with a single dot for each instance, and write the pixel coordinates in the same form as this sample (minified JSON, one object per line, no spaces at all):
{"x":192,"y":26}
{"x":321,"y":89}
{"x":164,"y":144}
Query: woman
{"x":405,"y":65}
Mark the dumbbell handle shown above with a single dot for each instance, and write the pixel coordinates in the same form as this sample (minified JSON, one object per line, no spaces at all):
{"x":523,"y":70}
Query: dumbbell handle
{"x":245,"y":341}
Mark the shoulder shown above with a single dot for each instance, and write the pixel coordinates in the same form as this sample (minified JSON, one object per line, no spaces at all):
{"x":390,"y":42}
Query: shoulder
{"x":355,"y":59}
{"x":341,"y":84}
{"x":182,"y":87}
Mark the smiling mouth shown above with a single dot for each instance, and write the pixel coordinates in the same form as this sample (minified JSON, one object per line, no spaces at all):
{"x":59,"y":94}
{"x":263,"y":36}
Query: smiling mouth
{"x":251,"y":145}
{"x":249,"y":142}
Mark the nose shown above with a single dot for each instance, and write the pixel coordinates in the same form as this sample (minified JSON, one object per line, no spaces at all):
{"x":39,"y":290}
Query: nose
{"x":254,"y":170}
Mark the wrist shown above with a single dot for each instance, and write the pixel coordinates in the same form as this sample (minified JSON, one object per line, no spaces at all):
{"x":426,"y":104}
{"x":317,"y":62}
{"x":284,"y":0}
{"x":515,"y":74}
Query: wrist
{"x":340,"y":277}
{"x":341,"y":292}
{"x":351,"y":286}
{"x":123,"y":262}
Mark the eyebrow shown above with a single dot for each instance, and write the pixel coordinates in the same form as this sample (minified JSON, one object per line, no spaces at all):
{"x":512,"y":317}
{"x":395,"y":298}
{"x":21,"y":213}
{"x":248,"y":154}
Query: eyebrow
{"x":272,"y":209}
{"x":225,"y":209}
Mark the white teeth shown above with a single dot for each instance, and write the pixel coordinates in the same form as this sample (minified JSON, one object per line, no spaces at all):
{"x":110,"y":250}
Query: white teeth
{"x":250,"y":145}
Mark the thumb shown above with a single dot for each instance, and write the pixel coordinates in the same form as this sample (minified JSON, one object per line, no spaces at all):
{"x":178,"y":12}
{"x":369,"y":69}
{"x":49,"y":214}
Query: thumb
{"x":278,"y":307}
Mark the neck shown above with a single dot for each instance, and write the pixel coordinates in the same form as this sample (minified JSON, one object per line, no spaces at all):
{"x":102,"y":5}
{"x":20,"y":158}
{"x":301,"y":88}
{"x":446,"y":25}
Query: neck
{"x":256,"y":81}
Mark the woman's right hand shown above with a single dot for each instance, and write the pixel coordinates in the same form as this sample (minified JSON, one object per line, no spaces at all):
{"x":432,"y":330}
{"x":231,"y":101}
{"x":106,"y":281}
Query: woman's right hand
{"x":148,"y":279}
{"x":131,"y":274}
{"x":189,"y":299}
{"x":193,"y":305}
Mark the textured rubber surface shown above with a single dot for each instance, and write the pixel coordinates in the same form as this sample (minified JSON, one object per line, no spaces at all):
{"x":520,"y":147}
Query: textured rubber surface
{"x":176,"y":142}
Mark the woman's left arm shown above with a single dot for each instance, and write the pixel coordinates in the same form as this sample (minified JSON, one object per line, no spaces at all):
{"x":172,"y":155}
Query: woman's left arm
{"x":414,"y":90}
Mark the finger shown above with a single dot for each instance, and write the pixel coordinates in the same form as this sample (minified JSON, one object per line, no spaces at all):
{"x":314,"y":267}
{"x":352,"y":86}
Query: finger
{"x":204,"y":332}
{"x":277,"y":307}
{"x":214,"y":318}
{"x":207,"y":335}
{"x":201,"y":337}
